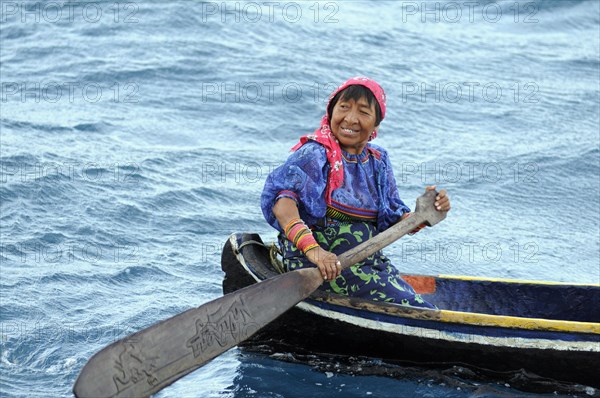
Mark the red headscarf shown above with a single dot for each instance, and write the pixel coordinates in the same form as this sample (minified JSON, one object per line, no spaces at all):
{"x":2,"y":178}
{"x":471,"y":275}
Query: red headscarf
{"x":324,"y":136}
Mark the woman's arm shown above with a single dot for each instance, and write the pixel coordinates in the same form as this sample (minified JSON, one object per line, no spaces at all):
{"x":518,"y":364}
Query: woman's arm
{"x":286,"y":210}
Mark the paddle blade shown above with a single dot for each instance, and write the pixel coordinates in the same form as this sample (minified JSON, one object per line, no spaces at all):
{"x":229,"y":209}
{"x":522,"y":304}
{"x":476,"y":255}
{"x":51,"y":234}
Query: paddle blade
{"x":147,"y":361}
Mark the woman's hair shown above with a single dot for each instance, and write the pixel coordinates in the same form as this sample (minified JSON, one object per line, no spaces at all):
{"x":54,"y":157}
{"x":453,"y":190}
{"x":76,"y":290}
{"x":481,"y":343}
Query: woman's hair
{"x":355,"y":92}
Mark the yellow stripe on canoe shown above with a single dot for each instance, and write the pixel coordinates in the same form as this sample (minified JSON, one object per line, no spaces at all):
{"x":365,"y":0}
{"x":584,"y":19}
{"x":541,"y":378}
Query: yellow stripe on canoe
{"x":521,"y":281}
{"x":518,"y":323}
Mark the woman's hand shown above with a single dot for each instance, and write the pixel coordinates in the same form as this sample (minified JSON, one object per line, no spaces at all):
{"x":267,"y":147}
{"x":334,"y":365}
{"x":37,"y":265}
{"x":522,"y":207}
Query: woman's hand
{"x":327,"y":262}
{"x":442,"y":201}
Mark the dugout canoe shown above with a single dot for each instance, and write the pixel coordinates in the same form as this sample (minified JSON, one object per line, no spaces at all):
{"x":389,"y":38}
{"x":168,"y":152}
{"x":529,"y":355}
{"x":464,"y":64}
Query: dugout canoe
{"x":547,"y":328}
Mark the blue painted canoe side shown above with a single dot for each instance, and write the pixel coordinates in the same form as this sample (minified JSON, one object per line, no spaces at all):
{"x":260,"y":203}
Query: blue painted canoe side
{"x":528,"y":300}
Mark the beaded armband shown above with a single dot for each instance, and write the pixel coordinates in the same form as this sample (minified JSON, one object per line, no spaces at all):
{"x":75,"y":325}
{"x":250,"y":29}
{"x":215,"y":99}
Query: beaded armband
{"x":300,"y":235}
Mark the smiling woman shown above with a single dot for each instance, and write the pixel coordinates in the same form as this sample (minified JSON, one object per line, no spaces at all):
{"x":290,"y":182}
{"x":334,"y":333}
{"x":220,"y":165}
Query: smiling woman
{"x":355,"y":116}
{"x":336,"y":191}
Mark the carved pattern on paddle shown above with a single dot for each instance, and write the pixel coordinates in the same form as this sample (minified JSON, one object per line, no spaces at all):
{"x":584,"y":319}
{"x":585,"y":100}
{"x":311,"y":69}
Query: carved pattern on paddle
{"x":223,"y":327}
{"x":133,"y":368}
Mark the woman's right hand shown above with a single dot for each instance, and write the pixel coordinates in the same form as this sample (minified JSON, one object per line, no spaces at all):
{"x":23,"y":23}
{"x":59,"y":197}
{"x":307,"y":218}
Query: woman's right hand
{"x":286,"y":210}
{"x":327,"y":262}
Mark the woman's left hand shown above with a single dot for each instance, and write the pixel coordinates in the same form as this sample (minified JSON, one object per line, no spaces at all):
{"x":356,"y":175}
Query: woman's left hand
{"x":442,"y":201}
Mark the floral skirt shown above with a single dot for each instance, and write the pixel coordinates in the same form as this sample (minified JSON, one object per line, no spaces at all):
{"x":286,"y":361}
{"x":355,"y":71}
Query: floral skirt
{"x":374,"y":278}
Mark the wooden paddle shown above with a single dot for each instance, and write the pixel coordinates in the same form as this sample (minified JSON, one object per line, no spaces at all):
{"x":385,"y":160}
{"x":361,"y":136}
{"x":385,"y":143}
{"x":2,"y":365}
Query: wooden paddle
{"x":147,"y":361}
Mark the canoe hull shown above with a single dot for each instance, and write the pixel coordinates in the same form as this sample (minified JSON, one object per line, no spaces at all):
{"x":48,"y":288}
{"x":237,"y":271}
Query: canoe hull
{"x":333,"y":325}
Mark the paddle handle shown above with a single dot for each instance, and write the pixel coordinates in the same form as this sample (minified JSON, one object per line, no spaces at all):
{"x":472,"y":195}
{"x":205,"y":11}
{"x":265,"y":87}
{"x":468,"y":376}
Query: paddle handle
{"x":425,"y":213}
{"x":380,"y":241}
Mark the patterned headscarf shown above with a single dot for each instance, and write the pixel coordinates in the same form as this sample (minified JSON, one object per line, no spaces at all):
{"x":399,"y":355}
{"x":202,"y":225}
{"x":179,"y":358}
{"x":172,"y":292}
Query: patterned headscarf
{"x":324,"y":136}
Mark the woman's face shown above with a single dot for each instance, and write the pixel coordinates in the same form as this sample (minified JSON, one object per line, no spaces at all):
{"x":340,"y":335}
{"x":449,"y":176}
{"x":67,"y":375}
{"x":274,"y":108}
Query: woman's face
{"x":352,"y":123}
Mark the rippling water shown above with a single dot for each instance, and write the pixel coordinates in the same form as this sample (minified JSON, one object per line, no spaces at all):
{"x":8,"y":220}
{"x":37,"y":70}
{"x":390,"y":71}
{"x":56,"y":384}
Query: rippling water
{"x":136,"y":137}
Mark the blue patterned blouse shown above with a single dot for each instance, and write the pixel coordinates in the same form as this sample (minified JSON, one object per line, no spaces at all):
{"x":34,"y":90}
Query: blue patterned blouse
{"x":369,"y":192}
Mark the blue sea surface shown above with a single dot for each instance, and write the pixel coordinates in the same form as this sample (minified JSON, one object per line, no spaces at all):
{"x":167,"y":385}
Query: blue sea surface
{"x":136,"y":137}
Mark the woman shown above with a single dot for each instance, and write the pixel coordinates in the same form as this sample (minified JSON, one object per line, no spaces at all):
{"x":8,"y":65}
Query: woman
{"x":337,"y":190}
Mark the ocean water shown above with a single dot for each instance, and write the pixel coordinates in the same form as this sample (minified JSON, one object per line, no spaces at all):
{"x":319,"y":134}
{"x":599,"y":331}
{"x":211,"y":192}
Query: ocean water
{"x":136,"y":136}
